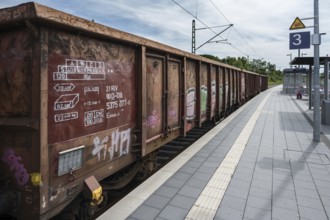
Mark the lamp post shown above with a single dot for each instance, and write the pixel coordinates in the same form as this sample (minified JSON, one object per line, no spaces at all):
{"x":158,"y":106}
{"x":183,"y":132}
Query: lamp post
{"x":290,"y":54}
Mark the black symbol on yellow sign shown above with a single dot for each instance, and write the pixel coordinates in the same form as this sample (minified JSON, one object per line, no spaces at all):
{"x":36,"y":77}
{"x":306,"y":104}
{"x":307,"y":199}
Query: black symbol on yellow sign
{"x":297,"y":24}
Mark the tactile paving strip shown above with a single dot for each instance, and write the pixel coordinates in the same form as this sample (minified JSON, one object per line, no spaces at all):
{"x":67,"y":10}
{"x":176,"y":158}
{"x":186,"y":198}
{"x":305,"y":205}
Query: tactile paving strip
{"x":208,"y":202}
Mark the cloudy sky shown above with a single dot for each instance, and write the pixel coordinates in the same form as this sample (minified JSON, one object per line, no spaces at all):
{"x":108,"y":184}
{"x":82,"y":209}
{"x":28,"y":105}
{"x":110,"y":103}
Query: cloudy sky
{"x":260,"y":28}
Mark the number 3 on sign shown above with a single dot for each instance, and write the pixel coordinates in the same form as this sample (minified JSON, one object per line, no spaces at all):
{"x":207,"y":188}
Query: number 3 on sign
{"x":300,"y":40}
{"x":297,"y":39}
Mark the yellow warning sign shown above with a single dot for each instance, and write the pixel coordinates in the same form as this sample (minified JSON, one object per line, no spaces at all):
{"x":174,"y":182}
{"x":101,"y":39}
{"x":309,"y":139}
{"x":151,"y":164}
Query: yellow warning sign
{"x":297,"y":24}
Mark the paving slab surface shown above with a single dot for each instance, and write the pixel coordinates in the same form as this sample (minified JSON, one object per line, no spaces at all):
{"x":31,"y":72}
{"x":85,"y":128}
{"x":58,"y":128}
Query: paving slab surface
{"x":259,"y":163}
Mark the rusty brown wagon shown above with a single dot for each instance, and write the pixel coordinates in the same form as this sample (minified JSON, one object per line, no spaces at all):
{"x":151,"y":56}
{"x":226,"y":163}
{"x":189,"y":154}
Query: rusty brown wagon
{"x":81,"y":101}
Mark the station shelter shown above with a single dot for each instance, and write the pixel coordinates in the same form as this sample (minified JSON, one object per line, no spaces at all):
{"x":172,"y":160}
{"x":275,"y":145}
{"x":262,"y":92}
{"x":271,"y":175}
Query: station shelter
{"x":295,"y":79}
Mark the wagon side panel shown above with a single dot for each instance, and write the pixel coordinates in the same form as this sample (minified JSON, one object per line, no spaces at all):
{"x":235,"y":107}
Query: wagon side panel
{"x":191,"y":94}
{"x":92,"y":111}
{"x":204,"y":87}
{"x":213,"y":91}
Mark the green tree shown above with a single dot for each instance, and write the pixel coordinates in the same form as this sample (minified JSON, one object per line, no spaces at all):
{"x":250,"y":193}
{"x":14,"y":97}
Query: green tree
{"x":256,"y":65}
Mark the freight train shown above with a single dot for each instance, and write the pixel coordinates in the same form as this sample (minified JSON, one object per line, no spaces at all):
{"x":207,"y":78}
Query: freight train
{"x":84,"y":107}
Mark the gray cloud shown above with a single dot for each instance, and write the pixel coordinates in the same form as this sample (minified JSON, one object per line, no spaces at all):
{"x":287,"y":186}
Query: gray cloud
{"x":261,"y":27}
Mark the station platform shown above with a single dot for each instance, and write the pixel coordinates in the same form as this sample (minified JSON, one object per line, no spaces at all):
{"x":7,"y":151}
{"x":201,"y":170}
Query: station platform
{"x":303,"y":105}
{"x":258,"y":163}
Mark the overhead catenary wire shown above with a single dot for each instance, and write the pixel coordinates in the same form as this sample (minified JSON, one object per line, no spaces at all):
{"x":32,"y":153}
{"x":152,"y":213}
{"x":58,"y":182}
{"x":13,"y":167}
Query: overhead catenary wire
{"x":210,"y":28}
{"x":239,"y":34}
{"x":195,"y":16}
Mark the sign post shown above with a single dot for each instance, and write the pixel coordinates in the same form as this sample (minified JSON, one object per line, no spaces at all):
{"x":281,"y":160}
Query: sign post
{"x":316,"y":41}
{"x":300,"y":40}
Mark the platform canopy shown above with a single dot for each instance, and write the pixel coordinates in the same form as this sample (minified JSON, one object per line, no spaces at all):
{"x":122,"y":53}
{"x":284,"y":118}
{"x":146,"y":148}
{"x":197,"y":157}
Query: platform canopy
{"x":308,"y":61}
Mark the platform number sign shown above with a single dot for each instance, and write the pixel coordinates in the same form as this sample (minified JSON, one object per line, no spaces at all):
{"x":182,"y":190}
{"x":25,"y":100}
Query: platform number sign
{"x":300,"y":40}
